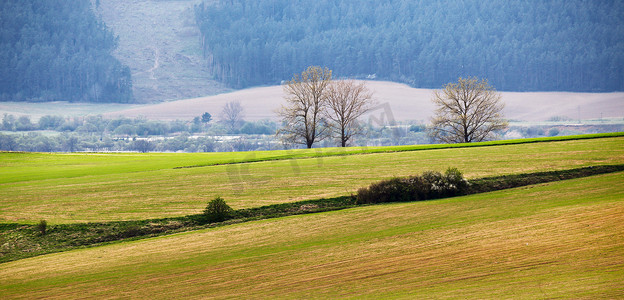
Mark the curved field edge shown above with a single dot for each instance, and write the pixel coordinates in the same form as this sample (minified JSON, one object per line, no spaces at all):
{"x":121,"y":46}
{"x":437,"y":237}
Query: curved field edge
{"x":21,"y":166}
{"x":325,"y":152}
{"x":562,"y":239}
{"x":178,"y":192}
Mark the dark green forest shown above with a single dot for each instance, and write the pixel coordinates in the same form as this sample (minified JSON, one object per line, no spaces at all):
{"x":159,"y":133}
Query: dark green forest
{"x":517,"y":45}
{"x":59,"y":50}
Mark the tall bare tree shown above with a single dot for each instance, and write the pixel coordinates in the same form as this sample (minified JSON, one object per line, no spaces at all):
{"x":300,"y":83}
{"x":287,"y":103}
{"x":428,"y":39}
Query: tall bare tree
{"x":346,"y":102}
{"x":467,"y":111}
{"x":232,"y":115}
{"x":306,"y":96}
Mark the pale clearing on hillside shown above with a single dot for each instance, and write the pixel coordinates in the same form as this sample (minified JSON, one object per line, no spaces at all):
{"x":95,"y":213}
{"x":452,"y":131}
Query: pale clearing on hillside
{"x":159,"y":41}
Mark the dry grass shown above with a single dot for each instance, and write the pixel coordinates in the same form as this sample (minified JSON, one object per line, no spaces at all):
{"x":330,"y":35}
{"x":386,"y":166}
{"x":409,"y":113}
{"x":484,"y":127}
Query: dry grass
{"x":562,"y":239}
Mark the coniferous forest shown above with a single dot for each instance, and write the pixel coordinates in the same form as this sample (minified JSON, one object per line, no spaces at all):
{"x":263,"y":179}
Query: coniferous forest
{"x":517,"y":45}
{"x":59,"y":50}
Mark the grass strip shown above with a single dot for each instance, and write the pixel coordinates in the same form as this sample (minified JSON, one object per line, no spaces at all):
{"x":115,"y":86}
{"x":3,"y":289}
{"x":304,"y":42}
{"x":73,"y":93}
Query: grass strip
{"x":325,"y":152}
{"x":495,"y":183}
{"x":18,"y":241}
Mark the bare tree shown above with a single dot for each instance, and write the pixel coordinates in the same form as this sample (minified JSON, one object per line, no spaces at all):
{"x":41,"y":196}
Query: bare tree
{"x":467,"y":111}
{"x":346,"y":102}
{"x":306,"y":96}
{"x":232,"y":115}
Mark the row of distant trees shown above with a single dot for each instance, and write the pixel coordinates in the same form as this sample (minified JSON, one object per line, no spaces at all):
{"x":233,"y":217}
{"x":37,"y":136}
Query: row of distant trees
{"x":73,"y":142}
{"x":135,"y":127}
{"x":317,"y":108}
{"x":518,"y":45}
{"x":206,"y":142}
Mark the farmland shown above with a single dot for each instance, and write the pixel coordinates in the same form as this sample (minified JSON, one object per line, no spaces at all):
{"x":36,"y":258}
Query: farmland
{"x":556,"y":239}
{"x":74,"y":188}
{"x":536,"y":213}
{"x":561,"y":239}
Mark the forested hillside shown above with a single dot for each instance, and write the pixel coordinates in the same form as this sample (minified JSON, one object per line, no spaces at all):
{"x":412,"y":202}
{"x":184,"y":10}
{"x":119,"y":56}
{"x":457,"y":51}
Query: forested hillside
{"x":58,"y":50}
{"x":517,"y":45}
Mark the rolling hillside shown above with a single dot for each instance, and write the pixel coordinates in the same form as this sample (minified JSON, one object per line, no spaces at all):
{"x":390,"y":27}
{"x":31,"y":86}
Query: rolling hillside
{"x":557,"y":240}
{"x":75,"y":188}
{"x":560,"y":239}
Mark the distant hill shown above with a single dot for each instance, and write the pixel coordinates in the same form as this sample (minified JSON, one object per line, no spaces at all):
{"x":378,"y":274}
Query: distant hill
{"x":59,"y":50}
{"x":517,"y":45}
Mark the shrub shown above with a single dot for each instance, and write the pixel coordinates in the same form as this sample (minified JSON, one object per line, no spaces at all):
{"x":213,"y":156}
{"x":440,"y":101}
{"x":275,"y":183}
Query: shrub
{"x":430,"y":185}
{"x":42,"y":227}
{"x":452,"y":183}
{"x":217,"y":210}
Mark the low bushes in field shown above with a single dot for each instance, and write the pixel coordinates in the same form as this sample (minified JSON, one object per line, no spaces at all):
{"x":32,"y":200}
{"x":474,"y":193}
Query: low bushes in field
{"x":435,"y":185}
{"x":429,"y":185}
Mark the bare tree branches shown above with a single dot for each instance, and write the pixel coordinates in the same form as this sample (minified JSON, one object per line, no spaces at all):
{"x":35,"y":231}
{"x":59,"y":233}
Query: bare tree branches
{"x":306,"y":98}
{"x":318,"y":108}
{"x":232,"y":115}
{"x":468,"y":111}
{"x":346,"y":102}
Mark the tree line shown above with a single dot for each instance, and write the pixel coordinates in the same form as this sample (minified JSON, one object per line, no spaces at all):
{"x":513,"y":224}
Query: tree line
{"x":134,"y":127}
{"x":95,"y":133}
{"x":59,"y":51}
{"x":517,"y":45}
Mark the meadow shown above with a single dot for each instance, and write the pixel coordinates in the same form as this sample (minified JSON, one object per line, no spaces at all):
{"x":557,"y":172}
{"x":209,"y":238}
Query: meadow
{"x":95,"y":187}
{"x":556,"y":240}
{"x":561,"y":239}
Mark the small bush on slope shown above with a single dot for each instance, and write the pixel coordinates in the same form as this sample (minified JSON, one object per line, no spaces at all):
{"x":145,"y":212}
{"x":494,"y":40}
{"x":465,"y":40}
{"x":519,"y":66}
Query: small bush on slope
{"x":217,"y":211}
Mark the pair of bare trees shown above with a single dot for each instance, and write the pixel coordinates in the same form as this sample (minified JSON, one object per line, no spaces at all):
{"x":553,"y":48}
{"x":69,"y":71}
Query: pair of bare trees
{"x":318,"y":107}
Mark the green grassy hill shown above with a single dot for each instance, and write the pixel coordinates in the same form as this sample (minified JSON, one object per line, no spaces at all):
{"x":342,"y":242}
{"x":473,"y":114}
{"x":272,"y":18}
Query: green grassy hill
{"x":72,"y":188}
{"x":562,"y":239}
{"x":551,"y":240}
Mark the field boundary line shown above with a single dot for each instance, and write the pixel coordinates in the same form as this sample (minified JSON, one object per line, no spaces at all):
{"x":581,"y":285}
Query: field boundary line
{"x":408,"y":148}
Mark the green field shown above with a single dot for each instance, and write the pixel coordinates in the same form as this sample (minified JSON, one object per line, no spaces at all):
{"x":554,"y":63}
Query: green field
{"x":552,"y":240}
{"x":556,"y":240}
{"x":70,"y":188}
